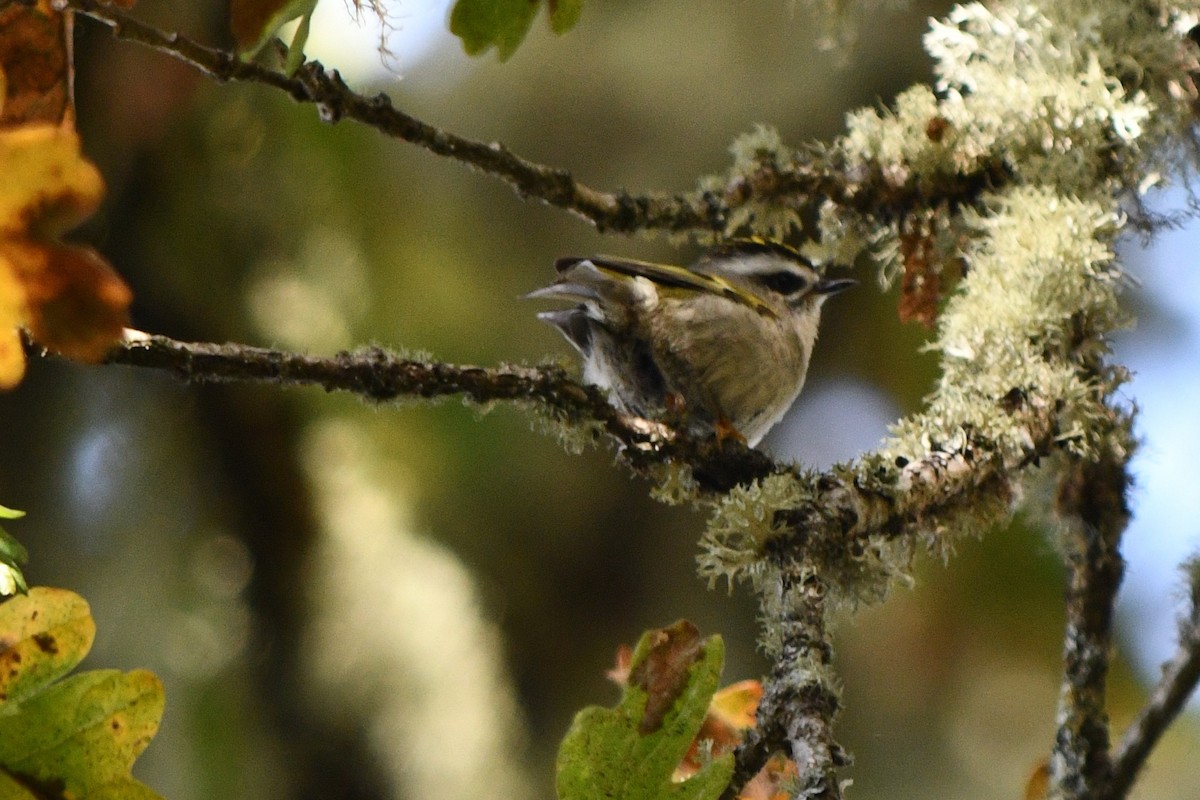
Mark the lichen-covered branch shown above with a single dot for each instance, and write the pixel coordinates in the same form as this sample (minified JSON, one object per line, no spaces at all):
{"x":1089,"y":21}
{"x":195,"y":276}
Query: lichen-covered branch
{"x":800,"y":699}
{"x":1179,"y":680}
{"x":800,"y":694}
{"x":1092,"y":503}
{"x":897,"y":501}
{"x":377,"y":374}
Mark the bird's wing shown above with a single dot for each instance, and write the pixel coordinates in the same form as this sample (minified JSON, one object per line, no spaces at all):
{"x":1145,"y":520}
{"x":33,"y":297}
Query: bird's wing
{"x":664,"y":275}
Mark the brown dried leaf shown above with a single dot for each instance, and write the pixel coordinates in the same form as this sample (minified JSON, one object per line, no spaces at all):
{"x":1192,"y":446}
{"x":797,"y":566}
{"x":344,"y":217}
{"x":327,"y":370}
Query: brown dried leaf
{"x":35,"y":61}
{"x":663,"y":673}
{"x":921,"y":286}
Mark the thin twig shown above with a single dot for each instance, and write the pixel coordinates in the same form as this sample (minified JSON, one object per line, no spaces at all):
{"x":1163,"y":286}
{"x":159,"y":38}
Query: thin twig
{"x":617,"y":211}
{"x":817,"y":175}
{"x":1180,"y":676}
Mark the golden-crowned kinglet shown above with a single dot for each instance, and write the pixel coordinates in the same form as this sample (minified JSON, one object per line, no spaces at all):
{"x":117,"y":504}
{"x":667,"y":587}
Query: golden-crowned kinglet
{"x":727,"y":341}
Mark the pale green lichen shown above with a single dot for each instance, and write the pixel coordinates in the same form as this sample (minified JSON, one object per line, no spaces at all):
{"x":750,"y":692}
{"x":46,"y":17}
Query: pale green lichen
{"x":573,"y":435}
{"x":1042,"y":275}
{"x":844,"y":237}
{"x":743,"y":520}
{"x":746,"y":519}
{"x":757,"y":157}
{"x":1071,"y":106}
{"x":676,"y":485}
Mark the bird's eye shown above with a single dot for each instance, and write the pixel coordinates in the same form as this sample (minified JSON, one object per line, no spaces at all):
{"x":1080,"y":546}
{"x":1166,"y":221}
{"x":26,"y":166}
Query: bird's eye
{"x":784,"y":282}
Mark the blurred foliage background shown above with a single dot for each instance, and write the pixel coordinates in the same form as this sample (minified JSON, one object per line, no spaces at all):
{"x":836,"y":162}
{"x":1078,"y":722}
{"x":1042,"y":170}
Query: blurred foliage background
{"x":356,"y":601}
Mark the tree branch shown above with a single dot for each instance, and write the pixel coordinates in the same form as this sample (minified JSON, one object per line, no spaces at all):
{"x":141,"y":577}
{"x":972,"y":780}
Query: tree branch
{"x":1180,"y":677}
{"x":379,"y":375}
{"x":816,"y":176}
{"x":617,"y":211}
{"x":799,"y":703}
{"x":846,"y":508}
{"x":898,"y":500}
{"x":1092,"y":499}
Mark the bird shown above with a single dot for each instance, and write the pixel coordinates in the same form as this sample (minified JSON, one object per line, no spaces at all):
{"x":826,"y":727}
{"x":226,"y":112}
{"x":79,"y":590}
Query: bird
{"x":721,"y":347}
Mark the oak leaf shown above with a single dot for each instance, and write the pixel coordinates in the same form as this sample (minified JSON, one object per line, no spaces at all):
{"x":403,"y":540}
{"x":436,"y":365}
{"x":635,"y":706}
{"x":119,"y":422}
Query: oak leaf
{"x":72,"y":737}
{"x":35,"y":64}
{"x":67,"y":295}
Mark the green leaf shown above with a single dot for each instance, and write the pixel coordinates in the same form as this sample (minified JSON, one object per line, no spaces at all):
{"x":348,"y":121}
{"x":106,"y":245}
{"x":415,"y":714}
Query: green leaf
{"x":483,"y":24}
{"x":11,"y":789}
{"x":12,"y":557}
{"x":80,"y":736}
{"x":631,"y":752}
{"x":256,"y":22}
{"x":564,"y":14}
{"x":10,"y":513}
{"x":43,"y":636}
{"x":83,"y":733}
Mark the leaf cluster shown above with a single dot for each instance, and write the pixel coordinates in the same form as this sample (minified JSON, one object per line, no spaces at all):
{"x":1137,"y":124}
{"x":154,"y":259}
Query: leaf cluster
{"x":74,"y":737}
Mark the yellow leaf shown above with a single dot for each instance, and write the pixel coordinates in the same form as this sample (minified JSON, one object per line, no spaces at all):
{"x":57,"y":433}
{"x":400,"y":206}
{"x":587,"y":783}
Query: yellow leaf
{"x":69,"y":297}
{"x":48,"y":186}
{"x":43,"y":636}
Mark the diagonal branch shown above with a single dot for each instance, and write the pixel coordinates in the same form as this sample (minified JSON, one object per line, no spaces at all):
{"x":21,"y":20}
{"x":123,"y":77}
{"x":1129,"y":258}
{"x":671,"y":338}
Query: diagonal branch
{"x":815,"y":176}
{"x":1180,"y":676}
{"x":616,"y":211}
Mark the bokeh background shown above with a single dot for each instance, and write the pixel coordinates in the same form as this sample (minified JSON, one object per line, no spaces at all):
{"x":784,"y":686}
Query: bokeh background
{"x":347,"y":600}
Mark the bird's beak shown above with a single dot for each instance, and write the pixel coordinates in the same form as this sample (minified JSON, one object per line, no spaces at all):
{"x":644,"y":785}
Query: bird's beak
{"x":831,"y":287}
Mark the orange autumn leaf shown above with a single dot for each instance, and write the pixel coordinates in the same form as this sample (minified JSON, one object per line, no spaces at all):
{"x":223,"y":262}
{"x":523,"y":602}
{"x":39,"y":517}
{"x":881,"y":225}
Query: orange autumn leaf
{"x":737,"y":704}
{"x":1037,"y":787}
{"x":731,"y":712}
{"x":775,"y":781}
{"x":68,"y":296}
{"x":76,"y":301}
{"x":12,"y":308}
